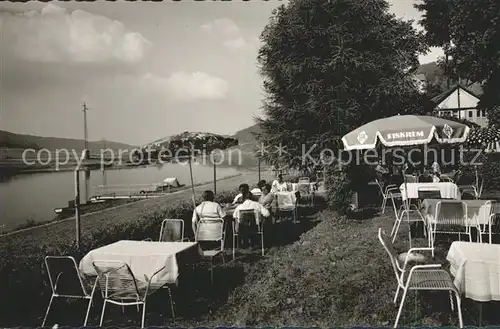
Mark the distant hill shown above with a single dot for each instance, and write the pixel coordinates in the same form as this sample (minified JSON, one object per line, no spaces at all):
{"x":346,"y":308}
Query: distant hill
{"x":434,"y":74}
{"x":431,"y":71}
{"x":21,"y":141}
{"x":246,"y":136}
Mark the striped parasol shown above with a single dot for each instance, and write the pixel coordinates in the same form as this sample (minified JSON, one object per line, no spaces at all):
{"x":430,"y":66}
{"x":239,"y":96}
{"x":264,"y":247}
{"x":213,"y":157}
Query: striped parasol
{"x":487,"y":138}
{"x":199,"y":141}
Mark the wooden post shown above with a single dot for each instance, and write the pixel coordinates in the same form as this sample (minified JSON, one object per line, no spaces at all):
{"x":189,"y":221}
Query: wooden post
{"x":87,"y":185}
{"x":259,"y":167}
{"x":192,"y":180}
{"x":77,"y":207}
{"x":215,"y":178}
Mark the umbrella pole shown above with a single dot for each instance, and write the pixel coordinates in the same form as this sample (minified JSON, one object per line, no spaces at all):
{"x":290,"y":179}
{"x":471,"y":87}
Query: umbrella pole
{"x":407,"y":204}
{"x":215,"y":178}
{"x":192,"y":180}
{"x":477,"y":182}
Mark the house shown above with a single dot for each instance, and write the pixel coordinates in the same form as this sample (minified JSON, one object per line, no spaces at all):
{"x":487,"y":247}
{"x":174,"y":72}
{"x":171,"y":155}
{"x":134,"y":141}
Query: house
{"x":461,"y":103}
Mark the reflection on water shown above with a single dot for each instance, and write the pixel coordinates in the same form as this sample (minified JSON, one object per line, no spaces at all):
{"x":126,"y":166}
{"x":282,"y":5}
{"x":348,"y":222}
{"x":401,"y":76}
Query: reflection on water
{"x":34,"y":196}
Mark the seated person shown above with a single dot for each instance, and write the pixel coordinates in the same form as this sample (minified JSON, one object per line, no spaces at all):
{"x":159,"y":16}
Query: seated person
{"x":207,"y":209}
{"x":257,"y":191}
{"x":249,"y":204}
{"x":242,"y":188}
{"x":436,"y":169}
{"x":381,"y":169}
{"x":267,"y":198}
{"x":279,"y":185}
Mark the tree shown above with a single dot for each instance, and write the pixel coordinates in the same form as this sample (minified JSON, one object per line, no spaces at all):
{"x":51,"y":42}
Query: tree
{"x":329,"y":67}
{"x":473,"y":29}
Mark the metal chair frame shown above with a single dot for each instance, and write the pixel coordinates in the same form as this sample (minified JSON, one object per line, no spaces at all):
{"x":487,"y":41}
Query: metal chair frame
{"x":55,"y":294}
{"x":430,"y":277}
{"x":236,"y":234}
{"x":305,"y":190}
{"x":140,"y":294}
{"x":163,"y":225}
{"x":216,"y":236}
{"x":403,"y":215}
{"x":461,"y":223}
{"x":280,"y":209}
{"x":391,"y":192}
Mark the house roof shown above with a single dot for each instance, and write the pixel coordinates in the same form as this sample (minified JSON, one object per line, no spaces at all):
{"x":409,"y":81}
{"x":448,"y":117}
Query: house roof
{"x":455,"y":96}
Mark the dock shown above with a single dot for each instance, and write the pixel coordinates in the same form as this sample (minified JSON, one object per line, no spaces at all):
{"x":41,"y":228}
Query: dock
{"x":132,"y":191}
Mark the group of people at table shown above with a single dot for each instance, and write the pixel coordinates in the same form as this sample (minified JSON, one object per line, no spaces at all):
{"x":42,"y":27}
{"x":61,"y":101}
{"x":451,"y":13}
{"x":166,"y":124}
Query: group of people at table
{"x":261,"y":199}
{"x":428,"y":174}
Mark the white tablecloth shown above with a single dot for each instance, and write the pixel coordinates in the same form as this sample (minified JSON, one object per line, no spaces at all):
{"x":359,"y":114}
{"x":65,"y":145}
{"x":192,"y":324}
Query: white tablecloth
{"x":476,"y":268}
{"x":143,"y":257}
{"x":448,"y":190}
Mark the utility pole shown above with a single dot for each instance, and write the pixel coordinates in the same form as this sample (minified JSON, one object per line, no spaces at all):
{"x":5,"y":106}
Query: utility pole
{"x":85,"y":131}
{"x":103,"y":168}
{"x":87,"y":152}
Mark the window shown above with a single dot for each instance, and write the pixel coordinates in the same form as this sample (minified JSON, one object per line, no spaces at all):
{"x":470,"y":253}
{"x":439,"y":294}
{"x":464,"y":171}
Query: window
{"x":478,"y":113}
{"x":470,"y":114}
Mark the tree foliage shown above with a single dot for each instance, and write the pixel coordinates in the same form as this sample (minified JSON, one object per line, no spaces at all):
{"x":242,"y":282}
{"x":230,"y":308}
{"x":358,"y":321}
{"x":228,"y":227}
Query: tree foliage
{"x":331,"y":66}
{"x":471,"y":29}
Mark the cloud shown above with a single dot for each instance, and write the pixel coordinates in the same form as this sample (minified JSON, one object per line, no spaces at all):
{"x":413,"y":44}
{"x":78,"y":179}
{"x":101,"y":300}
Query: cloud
{"x":181,"y":85}
{"x":197,"y":86}
{"x":56,"y":35}
{"x":240,"y":43}
{"x":224,"y":26}
{"x":231,"y":35}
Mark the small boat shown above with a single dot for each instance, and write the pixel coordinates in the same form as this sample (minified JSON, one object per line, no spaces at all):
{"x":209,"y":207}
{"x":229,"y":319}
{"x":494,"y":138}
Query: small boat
{"x":168,"y":185}
{"x":70,"y":209}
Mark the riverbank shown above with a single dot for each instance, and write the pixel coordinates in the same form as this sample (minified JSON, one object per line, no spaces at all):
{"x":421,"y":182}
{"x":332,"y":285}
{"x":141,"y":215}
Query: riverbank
{"x":27,"y":226}
{"x":95,"y":221}
{"x":22,"y":252}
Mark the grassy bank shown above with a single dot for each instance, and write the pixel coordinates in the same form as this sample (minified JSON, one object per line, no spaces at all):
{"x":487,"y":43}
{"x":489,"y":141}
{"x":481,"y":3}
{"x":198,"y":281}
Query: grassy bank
{"x":99,"y":207}
{"x":326,"y":272}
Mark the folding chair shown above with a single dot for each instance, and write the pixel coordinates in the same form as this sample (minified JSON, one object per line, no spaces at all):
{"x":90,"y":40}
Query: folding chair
{"x":305,"y":192}
{"x":468,"y":185}
{"x":428,"y":193}
{"x":304,"y":180}
{"x":66,"y":281}
{"x":390,"y":192}
{"x":172,"y":230}
{"x":404,"y":215}
{"x":211,"y":230}
{"x":411,"y":179}
{"x":484,"y":215}
{"x":431,"y":277}
{"x":248,"y":220}
{"x":446,"y":178}
{"x":286,"y":202}
{"x":494,"y":220}
{"x":425,"y":178}
{"x":450,"y":218}
{"x":120,"y":287}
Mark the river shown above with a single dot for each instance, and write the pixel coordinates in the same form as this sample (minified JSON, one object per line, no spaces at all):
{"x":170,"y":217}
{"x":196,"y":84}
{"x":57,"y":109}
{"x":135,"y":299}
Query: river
{"x":34,"y":196}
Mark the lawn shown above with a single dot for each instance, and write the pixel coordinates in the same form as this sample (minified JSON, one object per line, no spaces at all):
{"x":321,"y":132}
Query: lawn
{"x":325,"y":272}
{"x":329,"y":272}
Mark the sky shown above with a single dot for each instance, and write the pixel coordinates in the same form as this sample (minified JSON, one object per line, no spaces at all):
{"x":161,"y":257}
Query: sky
{"x":146,"y":70}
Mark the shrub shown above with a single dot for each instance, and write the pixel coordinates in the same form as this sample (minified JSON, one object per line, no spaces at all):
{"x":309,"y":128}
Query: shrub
{"x":489,"y":170}
{"x":339,"y":189}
